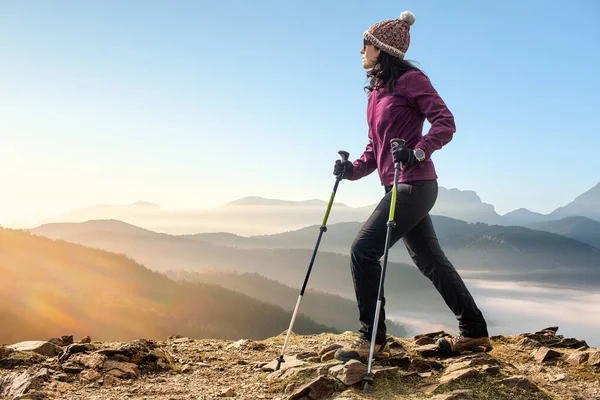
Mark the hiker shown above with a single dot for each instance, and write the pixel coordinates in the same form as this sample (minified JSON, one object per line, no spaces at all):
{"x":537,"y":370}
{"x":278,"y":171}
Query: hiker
{"x":400,"y":97}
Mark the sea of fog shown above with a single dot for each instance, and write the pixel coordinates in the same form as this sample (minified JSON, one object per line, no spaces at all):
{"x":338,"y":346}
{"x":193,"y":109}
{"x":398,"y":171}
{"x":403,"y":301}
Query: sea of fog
{"x":512,"y":308}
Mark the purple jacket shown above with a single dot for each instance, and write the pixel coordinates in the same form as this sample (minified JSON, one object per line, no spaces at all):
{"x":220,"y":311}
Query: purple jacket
{"x":402,"y":116}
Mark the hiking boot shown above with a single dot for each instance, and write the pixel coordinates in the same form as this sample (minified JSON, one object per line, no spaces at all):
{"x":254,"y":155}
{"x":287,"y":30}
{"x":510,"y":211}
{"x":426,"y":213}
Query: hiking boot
{"x":360,"y":351}
{"x":460,"y":344}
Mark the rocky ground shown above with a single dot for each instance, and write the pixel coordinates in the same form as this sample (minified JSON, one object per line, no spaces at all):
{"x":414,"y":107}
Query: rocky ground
{"x":540,"y":365}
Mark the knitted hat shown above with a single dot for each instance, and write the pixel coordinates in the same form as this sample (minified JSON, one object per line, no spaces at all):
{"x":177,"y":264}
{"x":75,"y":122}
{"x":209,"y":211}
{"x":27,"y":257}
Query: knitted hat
{"x":392,"y":35}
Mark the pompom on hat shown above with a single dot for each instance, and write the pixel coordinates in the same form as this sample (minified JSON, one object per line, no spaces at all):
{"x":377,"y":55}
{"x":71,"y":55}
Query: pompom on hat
{"x":392,"y":35}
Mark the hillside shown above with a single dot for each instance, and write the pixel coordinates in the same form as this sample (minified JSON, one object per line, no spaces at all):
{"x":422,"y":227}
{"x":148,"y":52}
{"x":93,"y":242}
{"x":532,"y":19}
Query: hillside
{"x":49,"y":287}
{"x":541,"y":365}
{"x":336,"y":311}
{"x":288,"y":266}
{"x":584,"y":229}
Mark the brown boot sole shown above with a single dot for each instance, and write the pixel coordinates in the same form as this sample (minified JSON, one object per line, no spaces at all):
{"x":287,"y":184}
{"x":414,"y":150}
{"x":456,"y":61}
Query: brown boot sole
{"x":445,"y":347}
{"x":364,"y":359}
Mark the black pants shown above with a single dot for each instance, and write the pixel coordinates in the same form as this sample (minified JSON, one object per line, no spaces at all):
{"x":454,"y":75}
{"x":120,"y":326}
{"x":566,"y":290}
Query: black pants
{"x":414,"y":227}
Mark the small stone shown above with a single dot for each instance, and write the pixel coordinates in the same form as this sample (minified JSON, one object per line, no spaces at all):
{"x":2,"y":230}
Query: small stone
{"x":309,"y":356}
{"x":458,"y":376}
{"x":578,"y":358}
{"x":229,"y":392}
{"x":92,"y":361}
{"x":384,"y":371}
{"x":429,"y":350}
{"x":463,"y":394}
{"x":400,"y":360}
{"x":424,"y":341}
{"x":121,"y":369}
{"x":594,"y":358}
{"x":330,"y":355}
{"x":519,"y":381}
{"x":40,"y":347}
{"x":90,"y":375}
{"x":550,"y":330}
{"x":289,"y":362}
{"x":423,"y":365}
{"x":544,"y":354}
{"x":317,"y":389}
{"x":110,"y":380}
{"x":350,"y":373}
{"x":85,"y":339}
{"x":186,"y":368}
{"x":491,"y":370}
{"x":529,"y":343}
{"x":329,"y":348}
{"x":72,"y":368}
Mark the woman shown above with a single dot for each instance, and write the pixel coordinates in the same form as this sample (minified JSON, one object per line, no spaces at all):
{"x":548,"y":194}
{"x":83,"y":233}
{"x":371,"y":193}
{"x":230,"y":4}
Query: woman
{"x":400,"y":97}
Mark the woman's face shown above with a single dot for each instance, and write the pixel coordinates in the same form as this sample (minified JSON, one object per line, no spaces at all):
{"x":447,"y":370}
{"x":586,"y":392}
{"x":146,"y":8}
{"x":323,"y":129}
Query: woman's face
{"x":369,"y":55}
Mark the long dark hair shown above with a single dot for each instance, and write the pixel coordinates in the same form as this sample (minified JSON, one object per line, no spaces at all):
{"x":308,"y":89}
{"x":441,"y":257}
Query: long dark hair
{"x":387,"y":70}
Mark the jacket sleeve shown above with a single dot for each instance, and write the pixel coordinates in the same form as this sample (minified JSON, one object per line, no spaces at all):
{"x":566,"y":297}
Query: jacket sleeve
{"x":365,"y":164}
{"x":422,"y":94}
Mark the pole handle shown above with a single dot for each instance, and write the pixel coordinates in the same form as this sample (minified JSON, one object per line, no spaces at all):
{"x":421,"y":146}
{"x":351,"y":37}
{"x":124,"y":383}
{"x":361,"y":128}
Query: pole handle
{"x":397,"y":143}
{"x":344,"y":154}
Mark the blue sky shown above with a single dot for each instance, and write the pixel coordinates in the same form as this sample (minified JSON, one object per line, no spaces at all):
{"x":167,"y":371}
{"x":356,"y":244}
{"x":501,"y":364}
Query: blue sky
{"x":191,"y":104}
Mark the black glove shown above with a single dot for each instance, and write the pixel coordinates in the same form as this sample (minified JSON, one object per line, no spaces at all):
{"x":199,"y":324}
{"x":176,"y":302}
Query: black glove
{"x":338,"y":168}
{"x":404,"y":155}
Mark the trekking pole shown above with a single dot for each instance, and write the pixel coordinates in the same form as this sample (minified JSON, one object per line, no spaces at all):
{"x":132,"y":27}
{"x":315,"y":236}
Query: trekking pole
{"x":345,"y":155}
{"x":368,"y":378}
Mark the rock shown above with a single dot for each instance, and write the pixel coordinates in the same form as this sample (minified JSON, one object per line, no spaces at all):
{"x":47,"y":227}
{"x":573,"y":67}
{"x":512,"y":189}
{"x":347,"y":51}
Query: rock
{"x":558,"y":377}
{"x":578,"y":358}
{"x":309,"y":356}
{"x":429,"y":350}
{"x":186,"y":369}
{"x":74,"y":349}
{"x":247,"y":344}
{"x":384,"y":371}
{"x":570,"y":343}
{"x":92,"y":361}
{"x":544,"y":354}
{"x":317,"y":389}
{"x":15,"y":384}
{"x":329,"y":348}
{"x":90,"y":375}
{"x":455,"y":395}
{"x":529,"y":343}
{"x":394,"y":344}
{"x":229,"y":392}
{"x":423,"y":365}
{"x":330,"y":355}
{"x":349,"y":373}
{"x":5,"y":351}
{"x":520,"y":382}
{"x":594,"y":358}
{"x":457,"y":376}
{"x":432,"y":335}
{"x":491,"y":370}
{"x":121,"y":369}
{"x":85,"y":340}
{"x":110,"y":380}
{"x":550,"y":330}
{"x":40,"y":347}
{"x":72,"y":368}
{"x":289,"y":362}
{"x":400,"y":361}
{"x":424,"y":341}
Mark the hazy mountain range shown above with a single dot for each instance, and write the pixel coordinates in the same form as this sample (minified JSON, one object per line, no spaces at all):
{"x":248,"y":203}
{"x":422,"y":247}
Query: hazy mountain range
{"x":255,"y":215}
{"x":52,"y":288}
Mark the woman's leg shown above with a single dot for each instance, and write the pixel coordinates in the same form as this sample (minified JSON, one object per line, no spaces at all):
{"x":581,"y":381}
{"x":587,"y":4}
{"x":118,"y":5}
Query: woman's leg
{"x":413,"y":202}
{"x":424,"y":248}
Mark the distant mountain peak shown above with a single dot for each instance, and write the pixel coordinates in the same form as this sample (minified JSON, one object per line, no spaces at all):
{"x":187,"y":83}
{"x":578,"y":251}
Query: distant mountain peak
{"x":142,"y":203}
{"x":263,"y":201}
